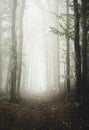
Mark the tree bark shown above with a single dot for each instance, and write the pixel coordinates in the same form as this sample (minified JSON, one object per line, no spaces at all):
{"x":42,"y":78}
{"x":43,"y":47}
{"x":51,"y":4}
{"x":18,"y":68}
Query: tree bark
{"x":77,"y":51}
{"x":14,"y":52}
{"x":0,"y":52}
{"x":20,"y":45}
{"x":84,"y":49}
{"x":67,"y":49}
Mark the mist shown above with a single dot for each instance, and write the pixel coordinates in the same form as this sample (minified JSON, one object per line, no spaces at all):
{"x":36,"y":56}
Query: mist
{"x":43,"y":53}
{"x":44,"y":65}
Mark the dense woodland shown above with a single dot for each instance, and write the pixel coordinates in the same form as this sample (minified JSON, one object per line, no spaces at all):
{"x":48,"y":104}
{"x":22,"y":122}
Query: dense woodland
{"x":44,"y":64}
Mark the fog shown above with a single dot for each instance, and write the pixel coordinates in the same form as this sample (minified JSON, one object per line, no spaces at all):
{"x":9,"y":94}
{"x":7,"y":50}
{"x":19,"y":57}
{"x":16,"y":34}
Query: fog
{"x":41,"y":47}
{"x":43,"y":52}
{"x":44,"y":64}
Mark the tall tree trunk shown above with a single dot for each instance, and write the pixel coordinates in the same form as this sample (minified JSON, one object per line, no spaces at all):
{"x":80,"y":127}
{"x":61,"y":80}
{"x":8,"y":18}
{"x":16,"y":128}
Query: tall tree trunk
{"x":58,"y":48}
{"x":84,"y":49}
{"x":14,"y":52}
{"x":20,"y":45}
{"x":67,"y":49}
{"x":1,"y":56}
{"x":77,"y":51}
{"x":0,"y":52}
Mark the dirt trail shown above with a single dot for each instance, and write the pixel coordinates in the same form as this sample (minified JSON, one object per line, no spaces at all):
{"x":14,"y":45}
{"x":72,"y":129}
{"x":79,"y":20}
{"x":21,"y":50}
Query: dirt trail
{"x":52,"y":115}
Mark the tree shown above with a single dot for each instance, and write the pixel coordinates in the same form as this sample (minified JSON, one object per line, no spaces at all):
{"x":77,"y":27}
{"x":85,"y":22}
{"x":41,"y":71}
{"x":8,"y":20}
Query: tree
{"x":87,"y":9}
{"x":67,"y":49}
{"x":84,"y":48}
{"x":77,"y":51}
{"x":66,"y":29}
{"x":0,"y":48}
{"x":20,"y":45}
{"x":1,"y":42}
{"x":14,"y":52}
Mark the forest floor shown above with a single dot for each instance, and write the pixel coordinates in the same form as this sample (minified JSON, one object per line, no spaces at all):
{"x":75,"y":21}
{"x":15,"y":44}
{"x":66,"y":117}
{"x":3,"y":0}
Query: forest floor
{"x":42,"y":115}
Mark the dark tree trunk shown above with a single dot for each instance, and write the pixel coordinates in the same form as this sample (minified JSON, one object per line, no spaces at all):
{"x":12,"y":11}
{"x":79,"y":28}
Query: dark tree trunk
{"x":14,"y":52}
{"x":67,"y":49}
{"x":84,"y":49}
{"x":77,"y":51}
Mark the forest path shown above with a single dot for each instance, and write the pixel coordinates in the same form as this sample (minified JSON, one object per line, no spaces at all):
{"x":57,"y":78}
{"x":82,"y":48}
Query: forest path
{"x":51,"y":115}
